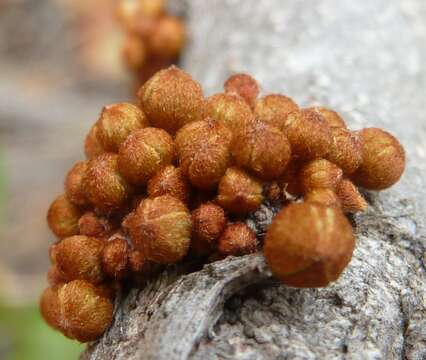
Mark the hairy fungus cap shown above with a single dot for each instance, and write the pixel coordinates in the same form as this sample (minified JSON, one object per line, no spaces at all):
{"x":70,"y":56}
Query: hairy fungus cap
{"x":92,"y":145}
{"x":115,"y":258}
{"x":74,"y":184}
{"x":323,"y":196}
{"x":104,"y":187}
{"x":263,"y":150}
{"x":208,"y":222}
{"x":274,"y":109}
{"x":320,"y":173}
{"x":383,"y":160}
{"x":333,"y":119}
{"x":62,"y":217}
{"x":168,"y":37}
{"x":243,"y":85}
{"x":351,"y":199}
{"x":171,"y":99}
{"x":93,"y":225}
{"x":239,"y":192}
{"x":79,"y":258}
{"x":144,"y":153}
{"x":237,"y":239}
{"x":161,"y":229}
{"x":309,"y":245}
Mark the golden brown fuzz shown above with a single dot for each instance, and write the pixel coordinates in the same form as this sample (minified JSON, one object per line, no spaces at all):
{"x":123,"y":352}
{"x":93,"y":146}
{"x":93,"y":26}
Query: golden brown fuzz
{"x":351,"y":199}
{"x":94,"y":225}
{"x":323,"y":196}
{"x":243,"y":85}
{"x":274,"y":109}
{"x":237,"y":239}
{"x":63,"y":216}
{"x":318,"y":174}
{"x":115,"y":258}
{"x":92,"y":146}
{"x":332,"y":118}
{"x":73,"y":183}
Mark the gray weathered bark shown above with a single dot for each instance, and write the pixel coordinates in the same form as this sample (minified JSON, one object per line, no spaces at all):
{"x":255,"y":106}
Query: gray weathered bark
{"x":364,"y":59}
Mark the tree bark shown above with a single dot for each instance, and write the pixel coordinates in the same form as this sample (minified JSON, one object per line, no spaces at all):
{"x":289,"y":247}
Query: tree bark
{"x":365,"y":60}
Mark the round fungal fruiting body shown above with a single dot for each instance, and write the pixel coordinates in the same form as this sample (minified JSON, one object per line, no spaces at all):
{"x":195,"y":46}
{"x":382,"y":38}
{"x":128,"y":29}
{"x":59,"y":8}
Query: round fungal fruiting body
{"x":320,"y":174}
{"x":93,"y":225}
{"x":332,"y":118}
{"x":350,"y":198}
{"x":323,"y":196}
{"x":263,"y":150}
{"x":144,"y":153}
{"x":167,"y":38}
{"x":169,"y":181}
{"x":383,"y":160}
{"x":79,"y":258}
{"x":78,"y":309}
{"x":204,"y":152}
{"x":243,"y":85}
{"x":104,"y":187}
{"x":161,"y":229}
{"x":117,"y":122}
{"x":230,"y":110}
{"x":274,"y":109}
{"x":237,"y":240}
{"x":308,"y":133}
{"x":134,"y":52}
{"x":308,"y":245}
{"x":92,"y":146}
{"x":171,"y":99}
{"x":55,"y":277}
{"x":208,"y":222}
{"x":115,"y":258}
{"x":239,"y":192}
{"x":62,"y":217}
{"x":73,"y":184}
{"x":345,"y":150}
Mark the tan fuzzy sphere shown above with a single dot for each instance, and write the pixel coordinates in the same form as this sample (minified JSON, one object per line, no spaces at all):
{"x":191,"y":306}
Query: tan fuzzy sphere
{"x":161,"y":229}
{"x":383,"y":160}
{"x":62,"y":217}
{"x":74,"y":183}
{"x":115,"y":258}
{"x":351,"y":199}
{"x":274,"y":109}
{"x":320,"y":174}
{"x":77,"y":309}
{"x":117,"y":122}
{"x":134,"y":52}
{"x":239,"y":192}
{"x":104,"y":187}
{"x":230,"y":110}
{"x":309,"y":245}
{"x":332,"y":118}
{"x":308,"y":133}
{"x":171,"y":99}
{"x":92,"y":146}
{"x":79,"y":258}
{"x":169,"y":181}
{"x":237,"y":239}
{"x":243,"y":85}
{"x":93,"y":225}
{"x":144,"y":153}
{"x":263,"y":150}
{"x":167,"y":38}
{"x":208,"y":223}
{"x":204,"y":152}
{"x":323,"y":196}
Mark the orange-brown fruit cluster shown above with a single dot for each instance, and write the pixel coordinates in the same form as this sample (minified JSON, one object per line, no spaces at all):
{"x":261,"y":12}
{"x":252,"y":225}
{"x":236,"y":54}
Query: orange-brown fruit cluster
{"x":153,"y":39}
{"x":176,"y":176}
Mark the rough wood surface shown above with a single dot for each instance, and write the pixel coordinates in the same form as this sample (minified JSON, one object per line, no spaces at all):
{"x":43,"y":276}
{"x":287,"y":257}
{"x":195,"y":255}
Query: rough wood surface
{"x":364,"y":59}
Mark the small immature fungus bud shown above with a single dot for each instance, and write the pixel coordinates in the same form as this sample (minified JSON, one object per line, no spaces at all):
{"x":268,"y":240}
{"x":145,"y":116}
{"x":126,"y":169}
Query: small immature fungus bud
{"x":274,"y":109}
{"x":78,"y":309}
{"x":239,"y":192}
{"x":161,"y":229}
{"x":243,"y":85}
{"x":93,"y":225}
{"x":309,"y":245}
{"x":92,"y":146}
{"x":230,"y":110}
{"x":308,"y":133}
{"x":332,"y":118}
{"x":345,"y":150}
{"x":323,"y":196}
{"x":117,"y":122}
{"x":237,"y":240}
{"x":320,"y":174}
{"x":204,"y":152}
{"x":73,"y":184}
{"x":63,"y":216}
{"x":115,"y":258}
{"x":169,"y":181}
{"x":168,"y":37}
{"x":104,"y":187}
{"x":262,"y":149}
{"x":144,"y":153}
{"x":208,"y":222}
{"x":383,"y":160}
{"x":350,"y":198}
{"x":171,"y":99}
{"x":79,"y":258}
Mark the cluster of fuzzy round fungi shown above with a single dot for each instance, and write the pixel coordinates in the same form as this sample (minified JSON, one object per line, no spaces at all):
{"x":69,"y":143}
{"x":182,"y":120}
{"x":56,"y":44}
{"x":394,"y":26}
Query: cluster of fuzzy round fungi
{"x":174,"y":177}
